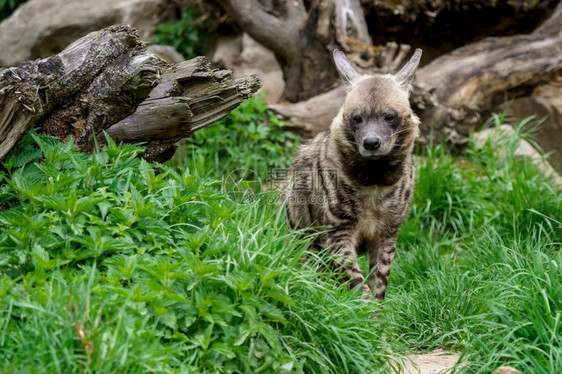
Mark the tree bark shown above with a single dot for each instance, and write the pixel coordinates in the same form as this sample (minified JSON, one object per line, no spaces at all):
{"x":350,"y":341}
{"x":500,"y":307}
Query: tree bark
{"x":107,"y":81}
{"x":457,"y":89}
{"x":189,"y":97}
{"x":302,"y":36}
{"x":453,"y":92}
{"x":474,"y":74}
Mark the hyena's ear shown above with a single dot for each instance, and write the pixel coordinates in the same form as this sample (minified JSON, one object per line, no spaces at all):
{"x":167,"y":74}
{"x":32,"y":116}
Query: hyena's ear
{"x":345,"y":68}
{"x":406,"y":74}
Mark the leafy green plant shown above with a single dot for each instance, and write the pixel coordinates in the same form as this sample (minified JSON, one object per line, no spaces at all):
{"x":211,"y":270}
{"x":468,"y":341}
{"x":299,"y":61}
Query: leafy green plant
{"x":251,"y":138}
{"x":111,"y":264}
{"x":7,"y":7}
{"x":186,"y":35}
{"x":107,"y":264}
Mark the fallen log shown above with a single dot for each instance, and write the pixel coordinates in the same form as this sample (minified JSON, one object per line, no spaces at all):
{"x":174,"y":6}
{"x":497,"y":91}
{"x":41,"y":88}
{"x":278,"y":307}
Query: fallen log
{"x":472,"y":81}
{"x":474,"y":75}
{"x":107,"y":81}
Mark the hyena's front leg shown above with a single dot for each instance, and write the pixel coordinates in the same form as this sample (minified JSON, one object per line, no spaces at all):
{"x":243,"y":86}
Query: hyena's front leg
{"x":380,"y":263}
{"x":346,"y":262}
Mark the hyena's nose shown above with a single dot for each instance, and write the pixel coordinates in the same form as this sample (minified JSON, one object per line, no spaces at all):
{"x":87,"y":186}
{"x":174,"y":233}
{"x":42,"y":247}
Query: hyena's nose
{"x":371,"y":144}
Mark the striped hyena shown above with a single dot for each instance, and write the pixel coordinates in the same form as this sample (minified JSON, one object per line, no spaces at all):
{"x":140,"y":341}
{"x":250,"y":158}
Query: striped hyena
{"x":357,"y":178}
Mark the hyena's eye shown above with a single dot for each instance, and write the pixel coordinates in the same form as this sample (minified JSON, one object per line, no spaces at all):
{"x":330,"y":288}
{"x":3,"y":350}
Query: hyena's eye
{"x":357,"y":119}
{"x":389,"y":118}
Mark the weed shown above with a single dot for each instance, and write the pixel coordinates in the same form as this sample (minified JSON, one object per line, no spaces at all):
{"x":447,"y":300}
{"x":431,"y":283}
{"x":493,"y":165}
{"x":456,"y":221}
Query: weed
{"x":250,"y":142}
{"x":186,"y":35}
{"x":107,"y":265}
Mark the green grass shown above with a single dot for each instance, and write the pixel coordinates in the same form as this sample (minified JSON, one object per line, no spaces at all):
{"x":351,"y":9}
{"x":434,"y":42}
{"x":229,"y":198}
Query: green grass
{"x":110,"y":264}
{"x":250,"y":139}
{"x":479,"y":264}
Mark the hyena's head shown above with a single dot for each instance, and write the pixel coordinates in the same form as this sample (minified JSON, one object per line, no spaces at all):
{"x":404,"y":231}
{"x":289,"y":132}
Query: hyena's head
{"x":377,"y":120}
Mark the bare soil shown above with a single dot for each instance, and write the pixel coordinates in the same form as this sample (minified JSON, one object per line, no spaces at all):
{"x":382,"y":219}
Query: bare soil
{"x":430,"y":363}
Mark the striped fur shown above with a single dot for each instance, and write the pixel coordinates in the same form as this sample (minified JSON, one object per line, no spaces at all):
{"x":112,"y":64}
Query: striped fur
{"x":361,"y":195}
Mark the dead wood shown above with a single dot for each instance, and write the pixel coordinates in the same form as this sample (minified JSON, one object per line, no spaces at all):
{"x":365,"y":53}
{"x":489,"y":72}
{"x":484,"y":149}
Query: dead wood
{"x":472,"y":81}
{"x":107,"y":81}
{"x":473,"y":75}
{"x":302,"y":34}
{"x":189,"y":97}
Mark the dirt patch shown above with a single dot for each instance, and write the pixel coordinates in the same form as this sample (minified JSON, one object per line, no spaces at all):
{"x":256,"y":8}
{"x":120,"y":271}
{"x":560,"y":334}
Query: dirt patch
{"x":430,"y":363}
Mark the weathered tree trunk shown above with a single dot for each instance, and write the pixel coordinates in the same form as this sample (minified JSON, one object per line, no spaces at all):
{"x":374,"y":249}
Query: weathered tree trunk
{"x":302,"y":35}
{"x":456,"y":89}
{"x":97,"y":84}
{"x":453,"y":92}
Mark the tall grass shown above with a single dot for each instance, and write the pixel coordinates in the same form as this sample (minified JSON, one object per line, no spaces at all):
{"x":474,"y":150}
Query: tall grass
{"x":478,"y":265}
{"x":111,"y":264}
{"x":108,"y":265}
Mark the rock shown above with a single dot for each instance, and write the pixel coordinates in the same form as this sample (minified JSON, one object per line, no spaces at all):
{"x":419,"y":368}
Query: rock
{"x":166,"y":53}
{"x":41,"y":28}
{"x":227,"y":51}
{"x":256,"y":56}
{"x":246,"y":56}
{"x":524,"y":149}
{"x":507,"y":370}
{"x":545,"y":101}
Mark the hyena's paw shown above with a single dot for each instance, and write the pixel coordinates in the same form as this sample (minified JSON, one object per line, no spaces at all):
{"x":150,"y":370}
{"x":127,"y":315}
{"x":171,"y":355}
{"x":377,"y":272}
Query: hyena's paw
{"x":367,"y":294}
